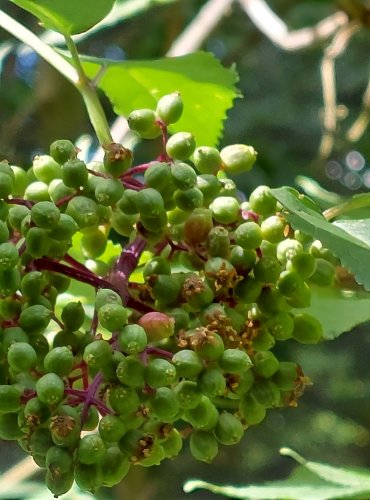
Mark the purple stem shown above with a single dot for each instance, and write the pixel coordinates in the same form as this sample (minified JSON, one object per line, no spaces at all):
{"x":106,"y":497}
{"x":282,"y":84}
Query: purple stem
{"x":159,"y":352}
{"x":65,"y":199}
{"x":90,"y":395}
{"x":97,"y":174}
{"x":124,"y":266}
{"x":139,"y":169}
{"x":249,"y":214}
{"x":132,"y":185}
{"x":74,"y":263}
{"x":20,"y":201}
{"x":46,"y":264}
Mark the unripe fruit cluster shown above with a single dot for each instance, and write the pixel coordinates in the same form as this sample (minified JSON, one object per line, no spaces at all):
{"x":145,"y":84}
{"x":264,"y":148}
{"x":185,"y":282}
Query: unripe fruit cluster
{"x":179,"y":340}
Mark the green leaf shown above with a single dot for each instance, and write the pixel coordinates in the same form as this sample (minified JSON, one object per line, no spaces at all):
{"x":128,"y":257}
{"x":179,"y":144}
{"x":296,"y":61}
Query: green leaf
{"x":310,"y":481}
{"x":353,"y":252}
{"x":338,"y":310}
{"x":359,"y":228}
{"x":67,"y":16}
{"x":207,"y":88}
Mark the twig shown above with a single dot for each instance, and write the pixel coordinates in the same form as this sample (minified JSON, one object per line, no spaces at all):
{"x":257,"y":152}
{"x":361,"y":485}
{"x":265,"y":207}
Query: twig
{"x":358,"y":127}
{"x":332,"y":52}
{"x":202,"y":25}
{"x":272,"y":26}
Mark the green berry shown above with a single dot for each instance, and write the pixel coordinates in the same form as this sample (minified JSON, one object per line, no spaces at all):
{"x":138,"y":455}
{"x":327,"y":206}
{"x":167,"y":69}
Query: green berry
{"x":248,"y":235}
{"x":75,"y":173}
{"x":207,"y":160}
{"x":16,"y":215}
{"x":280,"y":325}
{"x":9,"y":399}
{"x":59,"y":360}
{"x":238,"y":158}
{"x":37,"y":191}
{"x":124,"y":400}
{"x":144,"y":122}
{"x":170,"y":107}
{"x":218,"y":242}
{"x":262,"y":201}
{"x":35,"y":319}
{"x":229,"y":430}
{"x":112,"y":428}
{"x":132,"y":339}
{"x":127,"y":202}
{"x":273,"y":229}
{"x":33,"y":284}
{"x":50,"y":389}
{"x":91,"y":449}
{"x":204,"y":416}
{"x":108,"y":191}
{"x":165,"y":405}
{"x":6,"y":185}
{"x":21,"y":357}
{"x":115,"y":467}
{"x":253,"y":413}
{"x":84,"y":211}
{"x":62,"y":150}
{"x":187,"y":363}
{"x":4,"y":232}
{"x":160,"y":373}
{"x":225,"y":209}
{"x":183,"y":176}
{"x":266,"y":393}
{"x":98,"y":353}
{"x":73,"y":315}
{"x":45,"y":214}
{"x":112,"y":316}
{"x":234,"y":361}
{"x":45,"y":168}
{"x":188,"y":394}
{"x":149,"y":202}
{"x":106,"y":296}
{"x":181,"y":146}
{"x":9,"y":256}
{"x":20,"y":181}
{"x":212,"y":382}
{"x":203,"y":446}
{"x":265,"y":364}
{"x":267,"y":269}
{"x":188,"y":199}
{"x":158,"y":176}
{"x":307,"y":329}
{"x":10,"y":281}
{"x":88,"y":477}
{"x":130,"y":371}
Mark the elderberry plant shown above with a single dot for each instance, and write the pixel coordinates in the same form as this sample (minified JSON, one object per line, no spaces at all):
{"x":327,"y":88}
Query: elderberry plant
{"x":180,"y":341}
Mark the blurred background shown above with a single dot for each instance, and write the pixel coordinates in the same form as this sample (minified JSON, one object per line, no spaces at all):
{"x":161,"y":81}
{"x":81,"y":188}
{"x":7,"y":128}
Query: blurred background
{"x":287,"y":53}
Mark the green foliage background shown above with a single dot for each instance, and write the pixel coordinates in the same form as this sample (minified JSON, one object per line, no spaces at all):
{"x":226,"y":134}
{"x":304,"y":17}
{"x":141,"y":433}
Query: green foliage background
{"x":280,"y":116}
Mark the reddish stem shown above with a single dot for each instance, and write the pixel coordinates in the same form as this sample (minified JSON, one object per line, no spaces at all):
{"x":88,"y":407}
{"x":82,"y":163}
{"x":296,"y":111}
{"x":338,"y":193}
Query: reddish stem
{"x":65,"y":199}
{"x":97,"y":174}
{"x":20,"y":201}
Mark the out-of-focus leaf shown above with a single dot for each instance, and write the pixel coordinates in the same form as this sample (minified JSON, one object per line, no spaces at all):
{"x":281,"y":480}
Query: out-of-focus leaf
{"x":359,"y":228}
{"x":310,"y":481}
{"x":339,"y":310}
{"x":66,"y":16}
{"x":353,"y":252}
{"x":208,"y":89}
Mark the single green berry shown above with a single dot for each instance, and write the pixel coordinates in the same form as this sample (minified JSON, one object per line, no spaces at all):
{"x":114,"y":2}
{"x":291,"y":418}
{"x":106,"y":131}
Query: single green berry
{"x":181,"y":146}
{"x":238,"y":158}
{"x":170,"y":107}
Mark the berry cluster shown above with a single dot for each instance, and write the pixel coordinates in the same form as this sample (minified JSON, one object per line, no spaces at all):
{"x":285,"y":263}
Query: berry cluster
{"x":186,"y":350}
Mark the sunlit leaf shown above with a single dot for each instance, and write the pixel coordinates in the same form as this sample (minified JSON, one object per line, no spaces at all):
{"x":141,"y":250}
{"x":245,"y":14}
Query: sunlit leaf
{"x":66,"y":16}
{"x":208,"y":89}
